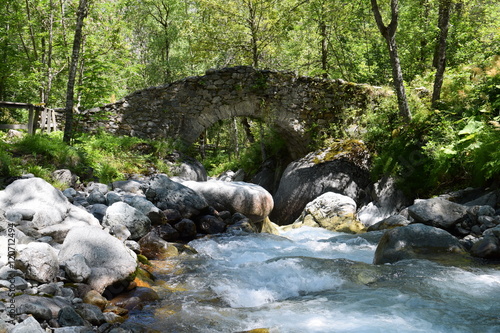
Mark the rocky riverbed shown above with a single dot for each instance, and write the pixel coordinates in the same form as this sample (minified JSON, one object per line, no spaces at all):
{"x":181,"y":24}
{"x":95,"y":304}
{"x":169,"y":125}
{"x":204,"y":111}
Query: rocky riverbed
{"x":78,"y":260}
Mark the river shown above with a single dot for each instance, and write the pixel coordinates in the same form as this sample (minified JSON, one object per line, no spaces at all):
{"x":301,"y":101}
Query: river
{"x":314,"y":280}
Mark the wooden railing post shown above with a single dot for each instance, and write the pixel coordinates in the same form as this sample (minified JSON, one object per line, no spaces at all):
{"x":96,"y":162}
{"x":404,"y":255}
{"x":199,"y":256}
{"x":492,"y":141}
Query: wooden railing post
{"x":31,"y":120}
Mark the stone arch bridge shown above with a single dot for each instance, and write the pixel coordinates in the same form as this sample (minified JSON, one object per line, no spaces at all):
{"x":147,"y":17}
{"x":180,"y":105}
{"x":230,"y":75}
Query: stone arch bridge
{"x":184,"y":109}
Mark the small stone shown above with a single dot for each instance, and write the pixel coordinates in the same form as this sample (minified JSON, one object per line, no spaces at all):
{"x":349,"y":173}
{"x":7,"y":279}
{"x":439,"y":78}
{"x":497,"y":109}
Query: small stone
{"x":90,"y":313}
{"x":29,"y":325}
{"x":94,"y":298}
{"x":19,"y":283}
{"x":69,"y":317}
{"x":113,"y":318}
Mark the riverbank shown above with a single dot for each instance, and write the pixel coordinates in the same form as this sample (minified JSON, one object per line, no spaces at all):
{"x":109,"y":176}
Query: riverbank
{"x":85,"y":254}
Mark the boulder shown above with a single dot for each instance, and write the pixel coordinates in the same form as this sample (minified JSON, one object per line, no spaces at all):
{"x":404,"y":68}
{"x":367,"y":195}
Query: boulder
{"x":90,"y":313}
{"x":189,"y":171}
{"x":120,"y":231}
{"x":131,"y":185}
{"x":387,"y":200}
{"x":487,"y":247}
{"x":231,"y":176}
{"x":332,"y":211}
{"x":96,"y":197}
{"x":53,"y":215}
{"x":121,"y":213}
{"x":37,"y":310}
{"x":94,"y":298}
{"x":98,"y":211}
{"x":108,"y":258}
{"x":77,"y":268}
{"x":268,"y":175}
{"x":135,"y":299}
{"x":69,"y":317}
{"x":39,"y":262}
{"x":154,"y":247}
{"x":103,"y":188}
{"x":186,"y":228}
{"x":112,"y":197}
{"x":416,"y":241}
{"x":167,"y":194}
{"x":390,"y":223}
{"x":306,"y":179}
{"x":38,"y":305}
{"x":155,"y":215}
{"x":65,"y":177}
{"x":209,"y":224}
{"x":76,"y":217}
{"x":249,"y":199}
{"x":29,"y":325}
{"x":167,"y":232}
{"x":438,"y":212}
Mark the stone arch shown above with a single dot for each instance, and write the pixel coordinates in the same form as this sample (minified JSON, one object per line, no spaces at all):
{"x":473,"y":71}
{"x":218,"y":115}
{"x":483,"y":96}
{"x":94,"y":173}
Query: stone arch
{"x":184,"y":109}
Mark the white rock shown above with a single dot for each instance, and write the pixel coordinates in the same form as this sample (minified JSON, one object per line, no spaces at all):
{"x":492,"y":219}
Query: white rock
{"x":39,"y":262}
{"x":108,"y":258}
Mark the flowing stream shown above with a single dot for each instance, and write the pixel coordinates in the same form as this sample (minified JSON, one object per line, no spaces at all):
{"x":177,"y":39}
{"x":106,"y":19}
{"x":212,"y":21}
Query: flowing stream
{"x":314,"y":280}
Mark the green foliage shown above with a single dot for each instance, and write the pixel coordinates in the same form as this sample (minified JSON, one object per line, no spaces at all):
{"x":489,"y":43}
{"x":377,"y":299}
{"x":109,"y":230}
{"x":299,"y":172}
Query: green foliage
{"x":232,"y":149}
{"x":116,"y":157}
{"x":453,"y":147}
{"x":110,"y":157}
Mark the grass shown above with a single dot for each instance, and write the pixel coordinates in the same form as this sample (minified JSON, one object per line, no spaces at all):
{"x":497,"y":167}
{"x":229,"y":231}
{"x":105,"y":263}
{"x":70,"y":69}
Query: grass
{"x":101,"y":157}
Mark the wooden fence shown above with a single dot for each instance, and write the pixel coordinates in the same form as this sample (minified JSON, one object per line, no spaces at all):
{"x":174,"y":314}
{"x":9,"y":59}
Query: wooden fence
{"x":36,"y":113}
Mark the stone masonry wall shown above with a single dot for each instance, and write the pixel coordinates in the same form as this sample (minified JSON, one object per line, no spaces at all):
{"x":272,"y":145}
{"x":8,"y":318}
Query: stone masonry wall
{"x":184,"y":109}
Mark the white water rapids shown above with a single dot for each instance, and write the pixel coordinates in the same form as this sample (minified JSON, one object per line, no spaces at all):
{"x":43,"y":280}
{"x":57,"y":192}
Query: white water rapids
{"x":314,"y":280}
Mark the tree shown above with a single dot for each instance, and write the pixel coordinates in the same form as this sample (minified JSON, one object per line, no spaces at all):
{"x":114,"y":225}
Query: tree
{"x":70,"y":91}
{"x":440,"y":58}
{"x":389,"y":33}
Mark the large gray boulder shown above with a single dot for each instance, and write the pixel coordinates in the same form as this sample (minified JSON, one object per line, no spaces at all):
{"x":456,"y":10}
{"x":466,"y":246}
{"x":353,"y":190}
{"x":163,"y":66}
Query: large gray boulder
{"x":39,"y":262}
{"x":167,"y":194}
{"x":487,"y":247}
{"x":416,"y":241}
{"x":53,"y":215}
{"x":38,"y":305}
{"x":332,"y":211}
{"x":306,"y":179}
{"x":108,"y":258}
{"x":437,"y":212}
{"x":121,"y":213}
{"x":387,"y":200}
{"x":251,"y":200}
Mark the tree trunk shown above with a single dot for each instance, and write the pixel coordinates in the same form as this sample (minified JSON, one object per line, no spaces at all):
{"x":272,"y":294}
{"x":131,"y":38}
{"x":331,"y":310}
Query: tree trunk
{"x":389,"y":33}
{"x":81,"y":14}
{"x":324,"y":48}
{"x":440,"y":60}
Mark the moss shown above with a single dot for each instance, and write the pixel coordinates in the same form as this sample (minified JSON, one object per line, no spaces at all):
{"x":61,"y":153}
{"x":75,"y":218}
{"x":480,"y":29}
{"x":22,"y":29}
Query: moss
{"x":143,"y":260}
{"x":351,"y":149}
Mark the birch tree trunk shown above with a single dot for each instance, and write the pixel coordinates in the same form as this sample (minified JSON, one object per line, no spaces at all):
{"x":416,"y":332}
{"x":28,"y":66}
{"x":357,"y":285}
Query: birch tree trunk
{"x":389,"y":33}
